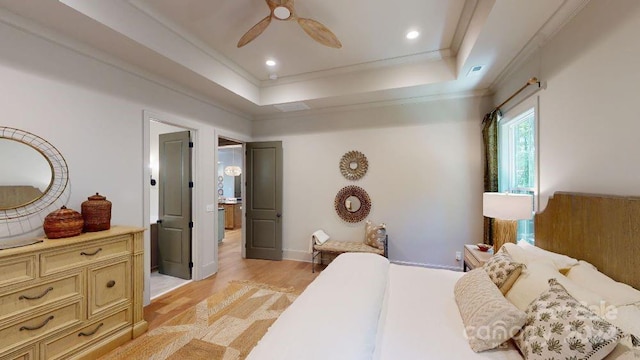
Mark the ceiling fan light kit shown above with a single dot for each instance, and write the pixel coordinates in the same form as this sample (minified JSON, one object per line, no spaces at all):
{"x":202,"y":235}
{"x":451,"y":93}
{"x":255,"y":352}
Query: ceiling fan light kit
{"x":283,"y":10}
{"x":282,"y":13}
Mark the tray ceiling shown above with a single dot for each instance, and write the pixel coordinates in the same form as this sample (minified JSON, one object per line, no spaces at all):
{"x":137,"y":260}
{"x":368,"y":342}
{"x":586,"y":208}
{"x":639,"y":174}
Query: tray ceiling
{"x":191,"y":45}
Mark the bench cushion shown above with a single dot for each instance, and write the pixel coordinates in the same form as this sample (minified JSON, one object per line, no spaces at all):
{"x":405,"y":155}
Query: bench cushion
{"x":347,"y":246}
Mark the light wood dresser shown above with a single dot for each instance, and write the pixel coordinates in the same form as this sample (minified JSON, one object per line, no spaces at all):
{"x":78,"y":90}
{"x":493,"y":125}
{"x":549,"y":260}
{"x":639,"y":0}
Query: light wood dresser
{"x":72,"y":298}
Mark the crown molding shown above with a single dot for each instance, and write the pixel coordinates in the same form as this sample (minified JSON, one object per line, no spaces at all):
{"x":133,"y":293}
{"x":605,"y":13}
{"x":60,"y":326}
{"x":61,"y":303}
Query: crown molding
{"x":375,"y":104}
{"x":27,"y":26}
{"x":436,"y":55}
{"x":466,"y":15}
{"x":563,"y":15}
{"x":186,"y":36}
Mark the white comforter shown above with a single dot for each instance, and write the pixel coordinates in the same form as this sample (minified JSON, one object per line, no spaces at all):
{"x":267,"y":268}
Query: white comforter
{"x":335,"y":318}
{"x":361,"y":307}
{"x":421,"y":319}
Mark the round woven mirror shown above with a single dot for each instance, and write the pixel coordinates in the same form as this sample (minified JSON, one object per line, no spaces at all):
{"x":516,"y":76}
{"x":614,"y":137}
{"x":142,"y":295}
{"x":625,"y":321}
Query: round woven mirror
{"x":352,"y":204}
{"x":34,"y":181}
{"x":353,"y":165}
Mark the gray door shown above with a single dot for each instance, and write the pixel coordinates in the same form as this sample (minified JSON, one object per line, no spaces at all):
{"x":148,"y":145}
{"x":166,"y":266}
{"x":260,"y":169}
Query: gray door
{"x":174,"y":230}
{"x":263,"y":200}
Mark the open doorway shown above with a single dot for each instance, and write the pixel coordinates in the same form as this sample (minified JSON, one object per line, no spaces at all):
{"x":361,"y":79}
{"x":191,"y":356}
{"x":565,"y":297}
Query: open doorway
{"x":170,"y":207}
{"x":230,"y":175}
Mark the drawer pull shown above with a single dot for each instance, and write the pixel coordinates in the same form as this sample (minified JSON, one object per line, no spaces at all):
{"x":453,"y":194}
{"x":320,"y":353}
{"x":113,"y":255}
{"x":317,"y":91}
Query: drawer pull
{"x":26,"y":297}
{"x":91,"y":254}
{"x":111,"y":284}
{"x":30,"y":328}
{"x":91,"y":333}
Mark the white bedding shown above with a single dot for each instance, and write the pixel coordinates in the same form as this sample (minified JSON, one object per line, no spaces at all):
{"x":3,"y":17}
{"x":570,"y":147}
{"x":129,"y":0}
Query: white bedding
{"x":335,"y":318}
{"x":422,"y":319}
{"x":361,"y":307}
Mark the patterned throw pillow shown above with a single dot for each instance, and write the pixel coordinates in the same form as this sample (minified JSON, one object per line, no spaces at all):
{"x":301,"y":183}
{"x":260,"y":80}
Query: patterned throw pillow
{"x":374,"y":235}
{"x":559,"y":327}
{"x":503,"y":271}
{"x":489,"y":319}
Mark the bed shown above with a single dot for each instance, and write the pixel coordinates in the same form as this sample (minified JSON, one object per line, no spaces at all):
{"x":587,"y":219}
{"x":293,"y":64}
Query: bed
{"x":363,"y":307}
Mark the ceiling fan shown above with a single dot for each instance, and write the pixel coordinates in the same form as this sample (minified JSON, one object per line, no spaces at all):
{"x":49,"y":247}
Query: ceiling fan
{"x":283,"y":10}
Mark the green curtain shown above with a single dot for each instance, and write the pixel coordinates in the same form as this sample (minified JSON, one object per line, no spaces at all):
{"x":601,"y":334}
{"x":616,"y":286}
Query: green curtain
{"x":490,"y":142}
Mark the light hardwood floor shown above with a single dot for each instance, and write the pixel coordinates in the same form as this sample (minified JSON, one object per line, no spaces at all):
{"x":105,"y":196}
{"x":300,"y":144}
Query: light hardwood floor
{"x":231,"y":266}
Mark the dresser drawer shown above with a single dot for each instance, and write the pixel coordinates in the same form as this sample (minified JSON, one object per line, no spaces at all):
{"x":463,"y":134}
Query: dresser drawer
{"x":41,"y":294}
{"x":39,"y":326}
{"x":17,"y":270}
{"x":54,"y":262}
{"x":28,"y":353}
{"x":61,"y":347}
{"x":109,"y":286}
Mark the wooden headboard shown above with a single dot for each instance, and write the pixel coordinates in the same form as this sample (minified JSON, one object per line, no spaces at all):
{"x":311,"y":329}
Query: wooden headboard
{"x":601,"y":229}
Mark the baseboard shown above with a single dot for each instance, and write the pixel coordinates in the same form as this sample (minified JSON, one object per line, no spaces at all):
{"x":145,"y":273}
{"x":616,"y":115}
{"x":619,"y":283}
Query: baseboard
{"x":296,"y":255}
{"x":207,"y":270}
{"x":431,"y":266}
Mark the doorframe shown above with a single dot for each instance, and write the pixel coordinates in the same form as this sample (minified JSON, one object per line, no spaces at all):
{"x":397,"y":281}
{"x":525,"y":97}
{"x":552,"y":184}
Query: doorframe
{"x":243,"y":233}
{"x":147,"y":117}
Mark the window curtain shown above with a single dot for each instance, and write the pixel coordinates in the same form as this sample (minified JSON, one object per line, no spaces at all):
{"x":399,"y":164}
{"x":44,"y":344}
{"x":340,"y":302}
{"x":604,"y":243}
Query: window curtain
{"x":490,"y":142}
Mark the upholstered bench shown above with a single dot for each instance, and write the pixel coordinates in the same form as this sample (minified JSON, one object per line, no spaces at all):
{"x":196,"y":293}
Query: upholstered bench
{"x":339,"y":247}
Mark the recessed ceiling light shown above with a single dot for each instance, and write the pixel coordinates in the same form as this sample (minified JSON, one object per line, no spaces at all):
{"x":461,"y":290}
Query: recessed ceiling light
{"x":270,"y":63}
{"x":412,"y":35}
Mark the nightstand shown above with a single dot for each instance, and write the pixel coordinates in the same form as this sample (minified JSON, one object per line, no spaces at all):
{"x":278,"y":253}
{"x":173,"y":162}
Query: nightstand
{"x":474,"y":258}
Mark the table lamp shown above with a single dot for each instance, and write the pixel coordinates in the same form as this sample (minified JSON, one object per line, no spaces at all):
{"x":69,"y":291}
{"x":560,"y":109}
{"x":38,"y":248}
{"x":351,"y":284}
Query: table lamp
{"x":506,"y":209}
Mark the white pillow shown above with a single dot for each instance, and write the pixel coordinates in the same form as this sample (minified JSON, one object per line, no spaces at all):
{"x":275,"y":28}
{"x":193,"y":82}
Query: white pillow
{"x":518,"y":254}
{"x":562,"y":262}
{"x":627,"y":318}
{"x":615,"y":293}
{"x":534,"y":280}
{"x":623,"y":351}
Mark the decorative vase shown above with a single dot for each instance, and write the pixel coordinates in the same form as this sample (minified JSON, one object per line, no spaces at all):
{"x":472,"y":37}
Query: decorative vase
{"x":63,"y":223}
{"x":96,"y":212}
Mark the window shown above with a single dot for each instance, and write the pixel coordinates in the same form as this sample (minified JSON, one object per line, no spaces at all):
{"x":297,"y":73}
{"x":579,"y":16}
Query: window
{"x":517,"y":167}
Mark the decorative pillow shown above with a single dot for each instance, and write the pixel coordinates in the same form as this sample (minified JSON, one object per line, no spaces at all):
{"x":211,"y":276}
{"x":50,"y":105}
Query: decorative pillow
{"x":559,"y":327}
{"x":489,"y":319}
{"x":616,"y":293}
{"x":503,"y":271}
{"x":534,"y":280}
{"x":374,"y":235}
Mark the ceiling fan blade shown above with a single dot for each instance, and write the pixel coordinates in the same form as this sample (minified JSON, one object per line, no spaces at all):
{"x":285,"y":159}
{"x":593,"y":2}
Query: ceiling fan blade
{"x":319,"y":33}
{"x":253,"y":33}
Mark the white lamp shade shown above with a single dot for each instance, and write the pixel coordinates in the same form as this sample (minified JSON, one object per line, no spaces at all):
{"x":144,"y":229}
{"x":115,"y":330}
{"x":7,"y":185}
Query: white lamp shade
{"x":507,"y":206}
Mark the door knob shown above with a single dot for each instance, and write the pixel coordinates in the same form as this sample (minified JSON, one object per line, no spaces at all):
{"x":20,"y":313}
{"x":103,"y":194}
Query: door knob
{"x":278,"y":215}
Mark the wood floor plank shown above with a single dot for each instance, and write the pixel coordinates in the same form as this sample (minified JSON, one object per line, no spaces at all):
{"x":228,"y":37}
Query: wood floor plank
{"x":231,"y":266}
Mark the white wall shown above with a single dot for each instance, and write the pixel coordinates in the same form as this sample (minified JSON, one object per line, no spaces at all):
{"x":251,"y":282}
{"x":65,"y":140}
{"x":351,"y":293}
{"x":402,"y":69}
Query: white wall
{"x":589,"y":111}
{"x":424,"y":177}
{"x":93,"y":113}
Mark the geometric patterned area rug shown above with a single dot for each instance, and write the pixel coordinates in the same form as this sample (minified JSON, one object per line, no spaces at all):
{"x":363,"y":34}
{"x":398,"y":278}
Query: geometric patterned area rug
{"x":225,"y":326}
